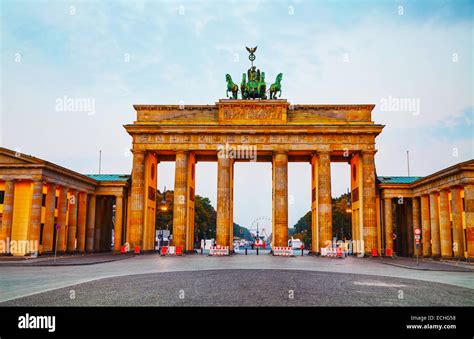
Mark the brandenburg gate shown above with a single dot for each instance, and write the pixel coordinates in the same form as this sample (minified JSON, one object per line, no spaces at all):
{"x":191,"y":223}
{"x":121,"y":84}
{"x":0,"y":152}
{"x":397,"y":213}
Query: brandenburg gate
{"x":279,"y":133}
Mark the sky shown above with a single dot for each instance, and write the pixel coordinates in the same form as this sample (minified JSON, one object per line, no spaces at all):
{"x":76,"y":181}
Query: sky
{"x":114,"y":54}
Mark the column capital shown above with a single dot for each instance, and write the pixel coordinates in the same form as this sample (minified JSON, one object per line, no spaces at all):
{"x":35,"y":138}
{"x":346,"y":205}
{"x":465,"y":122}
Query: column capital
{"x":368,"y":151}
{"x":280,"y":151}
{"x":138,"y":151}
{"x":323,"y":152}
{"x":180,"y":151}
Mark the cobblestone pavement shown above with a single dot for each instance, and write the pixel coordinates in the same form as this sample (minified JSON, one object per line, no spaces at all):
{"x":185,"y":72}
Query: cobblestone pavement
{"x":16,"y":282}
{"x":252,"y":288}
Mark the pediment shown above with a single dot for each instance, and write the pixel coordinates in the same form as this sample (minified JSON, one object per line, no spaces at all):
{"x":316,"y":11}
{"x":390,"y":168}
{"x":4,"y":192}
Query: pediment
{"x":9,"y":157}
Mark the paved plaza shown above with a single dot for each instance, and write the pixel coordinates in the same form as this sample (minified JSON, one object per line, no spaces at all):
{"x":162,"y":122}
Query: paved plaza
{"x":239,"y":280}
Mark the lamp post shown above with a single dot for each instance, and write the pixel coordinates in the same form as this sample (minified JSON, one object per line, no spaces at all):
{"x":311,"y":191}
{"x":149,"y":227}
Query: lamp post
{"x":348,"y":206}
{"x":164,"y":209}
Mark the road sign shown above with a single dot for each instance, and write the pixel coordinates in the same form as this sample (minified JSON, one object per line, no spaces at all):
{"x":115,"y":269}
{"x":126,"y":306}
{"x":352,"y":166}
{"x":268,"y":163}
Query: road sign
{"x":417,"y":231}
{"x":417,"y":241}
{"x":417,"y":237}
{"x":58,"y":227}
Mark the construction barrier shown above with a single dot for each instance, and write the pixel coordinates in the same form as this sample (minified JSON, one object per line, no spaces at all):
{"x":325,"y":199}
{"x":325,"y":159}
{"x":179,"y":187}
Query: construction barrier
{"x":171,"y":250}
{"x":179,"y":250}
{"x":123,"y":249}
{"x":332,"y":252}
{"x":137,"y":249}
{"x":328,"y":252}
{"x":219,"y":250}
{"x":164,"y":250}
{"x":388,"y":252}
{"x":283,"y":251}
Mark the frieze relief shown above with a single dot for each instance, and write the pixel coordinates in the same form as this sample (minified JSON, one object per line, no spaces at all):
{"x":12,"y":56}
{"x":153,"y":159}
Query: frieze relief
{"x":248,"y":113}
{"x":174,"y":138}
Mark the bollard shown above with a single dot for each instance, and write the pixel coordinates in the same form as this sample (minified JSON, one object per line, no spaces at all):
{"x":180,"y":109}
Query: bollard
{"x":257,"y":250}
{"x":302,"y":251}
{"x":245,"y":250}
{"x":202,"y":250}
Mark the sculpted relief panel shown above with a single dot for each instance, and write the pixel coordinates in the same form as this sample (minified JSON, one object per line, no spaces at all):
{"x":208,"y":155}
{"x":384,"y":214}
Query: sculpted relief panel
{"x":164,"y":140}
{"x":252,"y":113}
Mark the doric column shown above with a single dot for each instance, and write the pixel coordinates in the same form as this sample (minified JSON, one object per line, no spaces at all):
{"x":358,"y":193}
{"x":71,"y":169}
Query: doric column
{"x":280,"y":201}
{"x":388,"y":223}
{"x":458,"y":232}
{"x":445,"y":226}
{"x":224,"y":164}
{"x":137,"y":207}
{"x":416,"y":220}
{"x":90,"y":224}
{"x":369,"y":201}
{"x":190,"y":203}
{"x":469,"y":210}
{"x":180,"y":200}
{"x":7,"y":217}
{"x":48,"y":230}
{"x":36,"y":204}
{"x":81,"y":222}
{"x":314,"y":205}
{"x":118,"y":222}
{"x":425,"y":225}
{"x":324,"y":199}
{"x":72,"y":222}
{"x":62,"y":218}
{"x":434,"y":223}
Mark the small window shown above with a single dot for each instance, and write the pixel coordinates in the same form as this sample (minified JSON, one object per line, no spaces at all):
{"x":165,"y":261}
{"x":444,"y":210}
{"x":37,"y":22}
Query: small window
{"x":354,"y":172}
{"x":2,"y":197}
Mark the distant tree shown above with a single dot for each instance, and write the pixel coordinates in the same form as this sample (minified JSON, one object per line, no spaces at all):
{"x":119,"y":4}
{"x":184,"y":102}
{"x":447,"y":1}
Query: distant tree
{"x":164,"y":218}
{"x":204,"y":217}
{"x":244,"y":234}
{"x":340,"y":219}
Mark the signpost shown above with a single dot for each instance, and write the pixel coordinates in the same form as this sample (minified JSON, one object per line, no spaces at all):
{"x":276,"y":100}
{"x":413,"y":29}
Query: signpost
{"x":417,"y":242}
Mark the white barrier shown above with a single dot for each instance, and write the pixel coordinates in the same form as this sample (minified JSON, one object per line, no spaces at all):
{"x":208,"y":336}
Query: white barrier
{"x":219,"y":250}
{"x":283,"y":251}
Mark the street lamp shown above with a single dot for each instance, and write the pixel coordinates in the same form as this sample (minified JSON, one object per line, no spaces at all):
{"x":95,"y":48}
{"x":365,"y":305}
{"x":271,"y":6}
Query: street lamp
{"x":163,"y":208}
{"x":348,"y":205}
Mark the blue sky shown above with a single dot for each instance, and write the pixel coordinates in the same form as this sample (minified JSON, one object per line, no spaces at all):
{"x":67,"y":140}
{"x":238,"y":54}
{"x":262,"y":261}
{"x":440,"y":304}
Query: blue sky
{"x":122,"y":53}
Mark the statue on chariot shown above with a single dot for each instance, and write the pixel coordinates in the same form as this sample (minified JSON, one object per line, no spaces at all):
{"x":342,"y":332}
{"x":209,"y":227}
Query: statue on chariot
{"x":253,"y":85}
